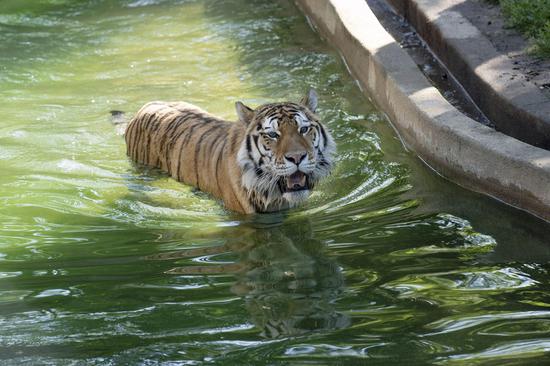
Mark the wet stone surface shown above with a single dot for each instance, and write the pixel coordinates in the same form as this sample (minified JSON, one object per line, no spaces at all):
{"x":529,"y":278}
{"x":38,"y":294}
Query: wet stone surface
{"x":427,"y":62}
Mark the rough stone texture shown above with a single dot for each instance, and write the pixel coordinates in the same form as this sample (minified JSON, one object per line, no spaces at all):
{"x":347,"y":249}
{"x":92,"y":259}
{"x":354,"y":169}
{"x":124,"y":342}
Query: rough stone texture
{"x":516,"y":107}
{"x":461,"y":149}
{"x":486,"y":16}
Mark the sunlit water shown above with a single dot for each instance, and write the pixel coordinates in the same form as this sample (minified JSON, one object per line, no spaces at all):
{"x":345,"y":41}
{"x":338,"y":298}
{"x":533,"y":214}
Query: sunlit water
{"x":106,"y":263}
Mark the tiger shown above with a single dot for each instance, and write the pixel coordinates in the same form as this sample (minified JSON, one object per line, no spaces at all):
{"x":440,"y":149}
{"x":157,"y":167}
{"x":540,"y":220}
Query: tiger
{"x":268,"y":160}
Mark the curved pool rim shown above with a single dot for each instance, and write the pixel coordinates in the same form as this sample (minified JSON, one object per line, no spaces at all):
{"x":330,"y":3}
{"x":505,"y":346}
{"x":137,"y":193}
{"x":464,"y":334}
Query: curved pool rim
{"x":455,"y":146}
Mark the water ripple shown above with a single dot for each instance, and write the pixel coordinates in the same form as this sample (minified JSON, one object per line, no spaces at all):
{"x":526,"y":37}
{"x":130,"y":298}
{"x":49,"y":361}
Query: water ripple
{"x":455,"y":324}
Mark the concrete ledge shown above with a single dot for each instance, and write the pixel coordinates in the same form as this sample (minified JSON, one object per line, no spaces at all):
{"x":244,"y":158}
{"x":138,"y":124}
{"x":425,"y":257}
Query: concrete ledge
{"x":516,"y":107}
{"x":459,"y":148}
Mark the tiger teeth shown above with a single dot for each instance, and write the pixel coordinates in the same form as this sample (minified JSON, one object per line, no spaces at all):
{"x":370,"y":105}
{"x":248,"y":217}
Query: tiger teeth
{"x":296,"y":181}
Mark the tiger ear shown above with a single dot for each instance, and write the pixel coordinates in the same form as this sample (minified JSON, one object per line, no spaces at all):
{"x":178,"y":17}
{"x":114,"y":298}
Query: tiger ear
{"x":310,"y":100}
{"x":244,"y":113}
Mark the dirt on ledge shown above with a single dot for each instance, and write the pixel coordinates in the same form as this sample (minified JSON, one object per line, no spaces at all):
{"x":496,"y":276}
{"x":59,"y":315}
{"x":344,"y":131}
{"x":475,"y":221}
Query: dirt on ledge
{"x":488,"y":19}
{"x":432,"y":68}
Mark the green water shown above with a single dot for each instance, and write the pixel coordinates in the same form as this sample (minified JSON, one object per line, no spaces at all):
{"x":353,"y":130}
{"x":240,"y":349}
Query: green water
{"x":105,"y":263}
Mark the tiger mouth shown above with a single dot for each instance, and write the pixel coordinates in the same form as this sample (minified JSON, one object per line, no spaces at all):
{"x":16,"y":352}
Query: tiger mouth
{"x":295,"y":182}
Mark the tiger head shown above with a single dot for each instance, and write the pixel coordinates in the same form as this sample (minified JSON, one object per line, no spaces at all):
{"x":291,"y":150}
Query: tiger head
{"x":285,"y":152}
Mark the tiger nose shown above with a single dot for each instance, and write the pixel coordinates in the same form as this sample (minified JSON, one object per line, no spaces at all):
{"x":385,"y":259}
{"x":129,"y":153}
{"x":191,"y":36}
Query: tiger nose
{"x":295,"y":158}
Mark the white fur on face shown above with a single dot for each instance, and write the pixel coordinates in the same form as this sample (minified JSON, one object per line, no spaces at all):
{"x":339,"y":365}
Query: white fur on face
{"x":295,"y":198}
{"x":260,"y":173}
{"x":302,"y":120}
{"x":287,"y":168}
{"x":270,"y":124}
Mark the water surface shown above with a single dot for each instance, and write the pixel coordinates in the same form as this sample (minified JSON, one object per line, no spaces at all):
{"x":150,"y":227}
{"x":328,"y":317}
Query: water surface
{"x":107,"y":263}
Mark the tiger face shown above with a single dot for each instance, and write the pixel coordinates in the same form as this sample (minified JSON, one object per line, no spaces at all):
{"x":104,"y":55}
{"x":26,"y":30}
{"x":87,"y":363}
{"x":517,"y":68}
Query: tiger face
{"x":286,"y":151}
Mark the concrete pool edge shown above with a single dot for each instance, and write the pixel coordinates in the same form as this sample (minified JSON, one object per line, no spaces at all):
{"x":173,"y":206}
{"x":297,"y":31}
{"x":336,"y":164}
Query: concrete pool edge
{"x":481,"y":69}
{"x":462,"y":150}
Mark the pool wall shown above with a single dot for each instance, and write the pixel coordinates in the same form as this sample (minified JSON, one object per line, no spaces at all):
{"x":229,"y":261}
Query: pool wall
{"x":462,"y":150}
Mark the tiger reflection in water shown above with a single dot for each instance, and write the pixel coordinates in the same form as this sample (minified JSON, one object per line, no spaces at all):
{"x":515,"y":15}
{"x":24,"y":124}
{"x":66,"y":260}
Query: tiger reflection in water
{"x":288,"y":283}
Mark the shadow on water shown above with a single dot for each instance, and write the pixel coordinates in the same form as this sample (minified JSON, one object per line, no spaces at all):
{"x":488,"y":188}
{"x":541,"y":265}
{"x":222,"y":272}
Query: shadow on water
{"x":288,"y":283}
